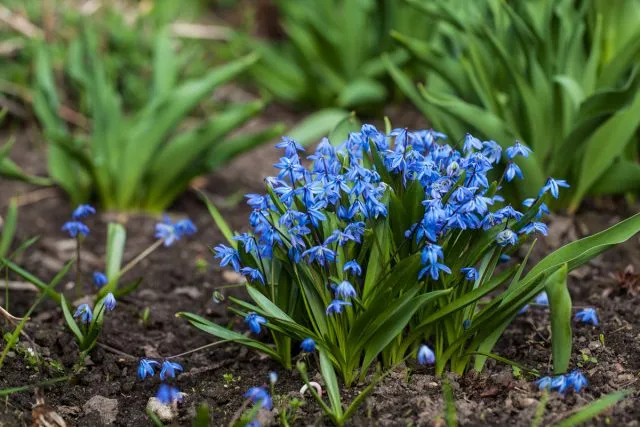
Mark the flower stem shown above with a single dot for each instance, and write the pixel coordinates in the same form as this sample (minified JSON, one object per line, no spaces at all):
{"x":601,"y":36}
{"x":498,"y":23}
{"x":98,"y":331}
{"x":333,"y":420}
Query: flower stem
{"x":140,"y":257}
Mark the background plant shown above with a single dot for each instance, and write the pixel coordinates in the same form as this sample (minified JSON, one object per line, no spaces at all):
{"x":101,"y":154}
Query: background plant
{"x":126,"y":34}
{"x":561,"y":76}
{"x":141,"y":159}
{"x":392,"y":242}
{"x":330,"y":54}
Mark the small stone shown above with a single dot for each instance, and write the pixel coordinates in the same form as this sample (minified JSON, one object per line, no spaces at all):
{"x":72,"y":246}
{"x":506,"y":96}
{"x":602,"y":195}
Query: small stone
{"x":594,"y":345}
{"x":433,"y":384}
{"x":105,"y":408}
{"x":623,"y":378}
{"x":190,"y":291}
{"x":166,"y":413}
{"x":232,"y":277}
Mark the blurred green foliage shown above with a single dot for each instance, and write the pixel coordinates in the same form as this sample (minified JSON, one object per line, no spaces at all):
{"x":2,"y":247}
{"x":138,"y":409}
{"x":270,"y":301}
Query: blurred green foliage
{"x":330,"y":53}
{"x":561,"y":76}
{"x":137,"y":158}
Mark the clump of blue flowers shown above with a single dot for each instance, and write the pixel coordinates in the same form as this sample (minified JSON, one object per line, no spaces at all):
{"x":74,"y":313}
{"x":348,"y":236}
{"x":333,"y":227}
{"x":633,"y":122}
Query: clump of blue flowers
{"x":167,"y":393}
{"x":384,"y":243}
{"x":562,"y":384}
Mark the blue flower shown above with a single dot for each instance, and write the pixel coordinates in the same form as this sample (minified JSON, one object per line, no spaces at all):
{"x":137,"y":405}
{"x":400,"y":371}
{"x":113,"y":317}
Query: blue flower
{"x":169,"y":369}
{"x":171,"y":232}
{"x":559,"y":384}
{"x":308,"y":345}
{"x":248,"y":241}
{"x":353,"y":267}
{"x":84,"y":313}
{"x":110,"y":302}
{"x":588,"y":316}
{"x":544,"y":383}
{"x":434,"y":270}
{"x":185,"y":227}
{"x":577,"y":380}
{"x":321,"y":254}
{"x":145,"y":367}
{"x":512,"y":171}
{"x":253,"y":274}
{"x":336,"y":305}
{"x":535,"y":227}
{"x":273,"y":377}
{"x":83,"y":211}
{"x":470,"y":273}
{"x":166,"y":231}
{"x":542,"y":298}
{"x":518,"y":149}
{"x":471,"y":143}
{"x":168,"y":394}
{"x":553,"y":186}
{"x":506,"y":237}
{"x":344,"y":290}
{"x":255,"y":322}
{"x":99,"y":279}
{"x":260,"y":396}
{"x":227,"y":256}
{"x":524,"y":309}
{"x":75,"y":228}
{"x":426,"y":356}
{"x":291,"y":147}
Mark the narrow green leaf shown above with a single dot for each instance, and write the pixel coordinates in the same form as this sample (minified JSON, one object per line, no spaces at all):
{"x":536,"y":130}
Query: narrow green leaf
{"x":71,"y":322}
{"x":560,"y":305}
{"x":317,"y":125}
{"x":594,"y":409}
{"x":8,"y":227}
{"x":331,"y":382}
{"x":604,"y":146}
{"x":218,"y":219}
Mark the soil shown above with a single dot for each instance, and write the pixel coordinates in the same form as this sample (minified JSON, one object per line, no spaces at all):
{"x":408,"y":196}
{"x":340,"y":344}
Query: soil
{"x":184,"y":276}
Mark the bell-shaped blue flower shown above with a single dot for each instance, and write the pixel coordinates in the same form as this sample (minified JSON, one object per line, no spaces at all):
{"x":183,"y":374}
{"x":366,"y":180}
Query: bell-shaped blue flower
{"x":259,"y":396}
{"x":588,"y":316}
{"x":336,"y":306}
{"x":168,"y":394}
{"x":110,"y":302}
{"x":426,"y":356}
{"x":145,"y":367}
{"x":83,"y":211}
{"x":308,"y":345}
{"x":255,"y":322}
{"x":169,"y":369}
{"x":84,"y":313}
{"x":75,"y":228}
{"x":99,"y":279}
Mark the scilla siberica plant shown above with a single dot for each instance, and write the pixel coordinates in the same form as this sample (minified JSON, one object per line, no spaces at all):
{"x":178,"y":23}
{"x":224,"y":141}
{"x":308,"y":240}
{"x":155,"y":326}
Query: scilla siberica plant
{"x":391,"y":243}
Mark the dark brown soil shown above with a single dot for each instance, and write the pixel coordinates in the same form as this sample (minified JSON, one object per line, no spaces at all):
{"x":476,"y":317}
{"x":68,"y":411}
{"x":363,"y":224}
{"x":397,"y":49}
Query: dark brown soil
{"x":184,"y":276}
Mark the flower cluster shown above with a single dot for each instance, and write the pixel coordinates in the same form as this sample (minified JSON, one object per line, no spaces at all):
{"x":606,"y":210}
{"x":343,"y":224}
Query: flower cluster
{"x":457,"y":196}
{"x":168,"y":370}
{"x":376,"y":235}
{"x":574,"y":380}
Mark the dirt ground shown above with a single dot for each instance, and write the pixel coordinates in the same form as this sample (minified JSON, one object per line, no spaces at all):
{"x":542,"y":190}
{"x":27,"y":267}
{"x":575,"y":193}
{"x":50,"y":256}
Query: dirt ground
{"x":184,"y":276}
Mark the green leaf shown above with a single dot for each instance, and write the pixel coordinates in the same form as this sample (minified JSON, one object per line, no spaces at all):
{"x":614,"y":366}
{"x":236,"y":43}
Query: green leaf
{"x":50,"y":292}
{"x":316,"y":125}
{"x":604,"y":146}
{"x":560,"y":308}
{"x":331,"y":382}
{"x":116,"y":239}
{"x":623,"y":176}
{"x":218,"y":219}
{"x":71,"y":322}
{"x":226,"y":334}
{"x":8,"y":227}
{"x":361,"y":91}
{"x":594,"y":409}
